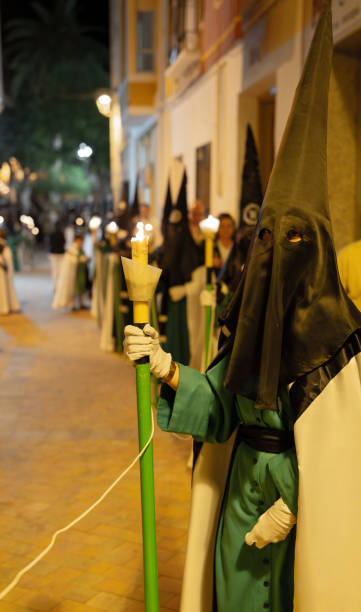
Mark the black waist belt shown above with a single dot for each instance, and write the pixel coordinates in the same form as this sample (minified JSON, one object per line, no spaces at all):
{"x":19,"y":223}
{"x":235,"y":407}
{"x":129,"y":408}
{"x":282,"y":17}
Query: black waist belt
{"x":265,"y":439}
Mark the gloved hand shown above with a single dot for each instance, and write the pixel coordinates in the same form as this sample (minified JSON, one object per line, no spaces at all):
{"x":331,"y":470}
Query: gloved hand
{"x":177,"y":293}
{"x":208,"y":298}
{"x":273,"y":525}
{"x":145,"y":342}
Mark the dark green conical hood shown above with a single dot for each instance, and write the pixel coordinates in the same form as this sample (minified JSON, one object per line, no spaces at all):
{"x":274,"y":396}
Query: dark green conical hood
{"x":290,"y":313}
{"x":299,"y":174}
{"x":252,"y":195}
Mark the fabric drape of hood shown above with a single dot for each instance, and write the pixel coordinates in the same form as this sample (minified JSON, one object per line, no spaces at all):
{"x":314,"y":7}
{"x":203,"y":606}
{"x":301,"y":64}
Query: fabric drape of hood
{"x":290,"y":313}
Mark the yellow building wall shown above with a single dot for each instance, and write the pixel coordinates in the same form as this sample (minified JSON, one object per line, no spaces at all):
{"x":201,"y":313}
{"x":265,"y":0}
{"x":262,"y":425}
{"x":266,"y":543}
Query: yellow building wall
{"x":141,"y":94}
{"x":344,"y":101}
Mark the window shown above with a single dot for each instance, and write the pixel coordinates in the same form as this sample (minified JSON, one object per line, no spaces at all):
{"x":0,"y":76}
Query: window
{"x":145,"y":44}
{"x":203,"y":174}
{"x":176,"y":28}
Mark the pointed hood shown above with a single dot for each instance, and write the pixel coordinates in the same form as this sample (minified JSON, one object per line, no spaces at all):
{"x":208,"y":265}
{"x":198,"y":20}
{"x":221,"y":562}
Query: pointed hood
{"x":252,"y":195}
{"x":135,"y":211}
{"x":179,"y":256}
{"x":290,"y":313}
{"x":175,"y":208}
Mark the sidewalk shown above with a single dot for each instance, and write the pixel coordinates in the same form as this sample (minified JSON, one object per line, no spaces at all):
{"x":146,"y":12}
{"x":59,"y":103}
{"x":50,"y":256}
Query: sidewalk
{"x":68,"y":428}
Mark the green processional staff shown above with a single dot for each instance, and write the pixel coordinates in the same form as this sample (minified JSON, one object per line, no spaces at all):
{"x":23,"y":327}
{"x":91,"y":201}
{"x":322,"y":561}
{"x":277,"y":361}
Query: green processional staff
{"x":142,"y":280}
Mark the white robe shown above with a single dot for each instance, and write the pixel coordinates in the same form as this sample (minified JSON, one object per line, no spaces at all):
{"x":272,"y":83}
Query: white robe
{"x":328,"y":542}
{"x":65,"y":290}
{"x":8,"y":300}
{"x":107,"y":340}
{"x":97,"y":304}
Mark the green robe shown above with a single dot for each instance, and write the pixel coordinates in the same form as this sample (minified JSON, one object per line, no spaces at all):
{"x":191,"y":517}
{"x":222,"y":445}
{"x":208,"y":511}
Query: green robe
{"x":81,"y":277}
{"x":247,"y":579}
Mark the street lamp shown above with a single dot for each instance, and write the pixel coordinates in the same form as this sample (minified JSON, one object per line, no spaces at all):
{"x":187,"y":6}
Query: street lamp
{"x":103,"y":103}
{"x":84,"y":151}
{"x":108,"y":105}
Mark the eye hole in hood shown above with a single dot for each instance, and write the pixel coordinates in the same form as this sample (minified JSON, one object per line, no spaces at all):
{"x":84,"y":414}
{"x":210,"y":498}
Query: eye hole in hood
{"x":266,"y":235}
{"x":294,"y":236}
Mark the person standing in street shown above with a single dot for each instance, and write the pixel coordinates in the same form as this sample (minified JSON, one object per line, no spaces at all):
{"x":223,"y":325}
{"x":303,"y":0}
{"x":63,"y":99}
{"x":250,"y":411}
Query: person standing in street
{"x":57,"y":250}
{"x":8,"y":300}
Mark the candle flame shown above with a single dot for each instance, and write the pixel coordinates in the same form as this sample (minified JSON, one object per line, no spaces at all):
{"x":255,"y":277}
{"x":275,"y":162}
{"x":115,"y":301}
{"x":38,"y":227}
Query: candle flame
{"x":140,"y":235}
{"x":95,"y":222}
{"x":112,"y":227}
{"x":209,"y":225}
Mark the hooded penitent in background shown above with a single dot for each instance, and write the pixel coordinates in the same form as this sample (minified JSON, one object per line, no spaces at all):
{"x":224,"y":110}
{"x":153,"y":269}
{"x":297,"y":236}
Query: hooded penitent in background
{"x":73,"y":284}
{"x":290,"y":360}
{"x":117,"y":310}
{"x":8,"y":300}
{"x":179,"y":257}
{"x":250,"y":205}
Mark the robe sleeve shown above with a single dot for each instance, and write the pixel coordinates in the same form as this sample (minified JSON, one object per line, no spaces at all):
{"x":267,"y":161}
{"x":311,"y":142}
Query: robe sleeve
{"x":201,"y":406}
{"x":283,"y":469}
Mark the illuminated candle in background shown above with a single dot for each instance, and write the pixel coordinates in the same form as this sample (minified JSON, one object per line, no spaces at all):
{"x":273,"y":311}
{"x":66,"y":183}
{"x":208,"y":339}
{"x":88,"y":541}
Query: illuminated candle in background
{"x":148,"y":228}
{"x":112,"y":229}
{"x":209,"y":228}
{"x":94,"y":225}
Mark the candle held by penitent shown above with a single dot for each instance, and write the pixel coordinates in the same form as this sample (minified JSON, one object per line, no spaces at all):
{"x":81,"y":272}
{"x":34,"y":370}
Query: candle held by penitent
{"x":139,"y":245}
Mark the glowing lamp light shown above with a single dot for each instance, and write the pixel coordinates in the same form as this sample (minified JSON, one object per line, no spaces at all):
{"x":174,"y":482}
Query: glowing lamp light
{"x":95,"y":222}
{"x":112,"y":228}
{"x":148,"y":227}
{"x":35,"y":231}
{"x":209,"y":227}
{"x":1,"y":219}
{"x":103,"y":103}
{"x":79,"y":221}
{"x":84,"y":151}
{"x":28,"y":221}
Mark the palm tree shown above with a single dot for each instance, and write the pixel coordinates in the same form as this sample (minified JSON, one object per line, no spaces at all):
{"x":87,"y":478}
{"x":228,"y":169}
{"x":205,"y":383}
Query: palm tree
{"x":53,"y":39}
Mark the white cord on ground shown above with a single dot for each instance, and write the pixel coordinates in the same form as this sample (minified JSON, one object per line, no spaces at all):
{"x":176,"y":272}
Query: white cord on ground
{"x":75,"y":521}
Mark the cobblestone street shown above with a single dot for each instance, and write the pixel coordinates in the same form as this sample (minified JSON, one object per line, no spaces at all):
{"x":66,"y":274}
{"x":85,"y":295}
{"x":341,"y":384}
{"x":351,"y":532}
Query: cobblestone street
{"x":68,"y":428}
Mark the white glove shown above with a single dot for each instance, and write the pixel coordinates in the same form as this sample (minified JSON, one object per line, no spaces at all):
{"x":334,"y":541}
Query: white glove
{"x":273,"y":525}
{"x":177,"y":293}
{"x":145,"y":342}
{"x":224,"y":288}
{"x":208,"y":298}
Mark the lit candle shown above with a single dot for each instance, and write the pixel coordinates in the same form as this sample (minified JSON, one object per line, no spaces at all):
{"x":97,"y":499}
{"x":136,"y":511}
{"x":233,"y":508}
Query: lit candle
{"x":94,"y":225}
{"x":112,"y":229}
{"x":139,"y":244}
{"x":209,"y":228}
